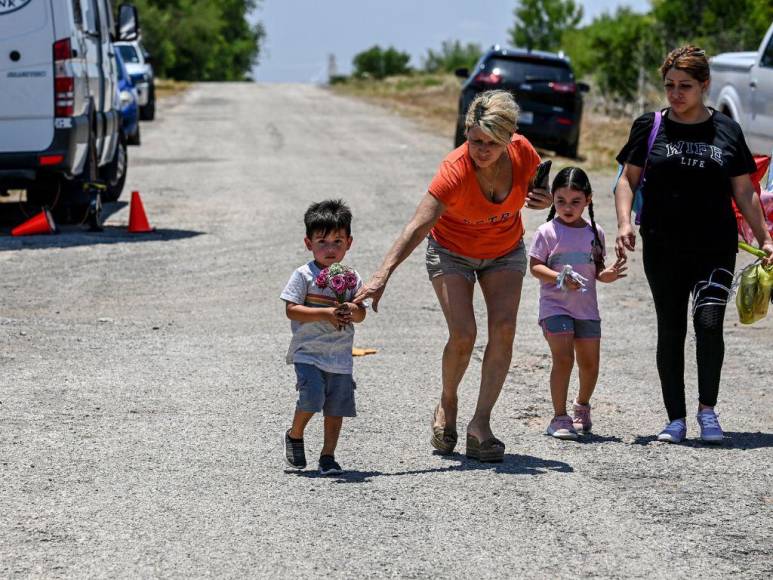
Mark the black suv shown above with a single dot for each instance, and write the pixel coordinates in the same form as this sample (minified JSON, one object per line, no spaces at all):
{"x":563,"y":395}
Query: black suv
{"x":544,"y":87}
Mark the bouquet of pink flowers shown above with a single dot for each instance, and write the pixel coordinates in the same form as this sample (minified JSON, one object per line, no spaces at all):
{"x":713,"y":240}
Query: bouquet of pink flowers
{"x":339,"y":279}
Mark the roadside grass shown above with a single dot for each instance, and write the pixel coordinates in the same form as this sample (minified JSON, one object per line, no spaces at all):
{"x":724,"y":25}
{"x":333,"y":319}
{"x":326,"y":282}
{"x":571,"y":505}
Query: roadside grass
{"x":169,"y":87}
{"x":432,"y":100}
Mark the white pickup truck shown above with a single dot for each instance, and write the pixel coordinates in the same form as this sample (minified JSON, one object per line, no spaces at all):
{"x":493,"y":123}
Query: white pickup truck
{"x":742,"y":88}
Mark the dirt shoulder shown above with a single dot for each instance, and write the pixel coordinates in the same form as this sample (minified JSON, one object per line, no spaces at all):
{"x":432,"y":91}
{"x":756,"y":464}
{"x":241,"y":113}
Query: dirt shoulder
{"x":432,"y":101}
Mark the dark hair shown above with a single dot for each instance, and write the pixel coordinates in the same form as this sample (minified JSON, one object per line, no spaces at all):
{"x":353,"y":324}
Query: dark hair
{"x":689,"y":59}
{"x":327,"y":216}
{"x":576,"y":179}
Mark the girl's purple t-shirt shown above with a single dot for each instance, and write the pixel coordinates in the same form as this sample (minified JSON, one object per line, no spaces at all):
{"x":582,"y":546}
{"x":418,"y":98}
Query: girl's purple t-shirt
{"x":556,"y":245}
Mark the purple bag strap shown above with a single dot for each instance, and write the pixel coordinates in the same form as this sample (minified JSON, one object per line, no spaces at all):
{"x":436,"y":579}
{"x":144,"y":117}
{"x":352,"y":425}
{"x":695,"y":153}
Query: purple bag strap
{"x":650,"y":143}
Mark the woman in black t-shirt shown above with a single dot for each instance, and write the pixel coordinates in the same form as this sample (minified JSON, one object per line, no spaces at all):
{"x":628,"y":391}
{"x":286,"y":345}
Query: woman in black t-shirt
{"x":698,"y":163}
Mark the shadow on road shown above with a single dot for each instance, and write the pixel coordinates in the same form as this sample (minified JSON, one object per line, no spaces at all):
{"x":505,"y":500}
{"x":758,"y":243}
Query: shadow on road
{"x":512,"y":465}
{"x":593,"y":438}
{"x":748,"y":440}
{"x":733,"y":440}
{"x":70,"y":236}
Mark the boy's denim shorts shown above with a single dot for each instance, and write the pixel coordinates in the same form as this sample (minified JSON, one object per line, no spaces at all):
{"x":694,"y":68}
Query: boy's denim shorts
{"x":565,"y":324}
{"x":319,"y":390}
{"x":442,"y":261}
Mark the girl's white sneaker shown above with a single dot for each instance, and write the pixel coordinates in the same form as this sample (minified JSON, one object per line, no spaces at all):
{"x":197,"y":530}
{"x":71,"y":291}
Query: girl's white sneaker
{"x":561,"y":428}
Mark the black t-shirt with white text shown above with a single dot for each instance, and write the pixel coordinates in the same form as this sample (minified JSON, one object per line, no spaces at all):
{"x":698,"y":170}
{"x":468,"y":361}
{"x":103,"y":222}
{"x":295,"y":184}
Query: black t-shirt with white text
{"x":687,"y":189}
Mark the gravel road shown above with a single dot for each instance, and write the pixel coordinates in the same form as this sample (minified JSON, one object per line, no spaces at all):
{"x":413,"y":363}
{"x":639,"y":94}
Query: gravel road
{"x":144,"y":388}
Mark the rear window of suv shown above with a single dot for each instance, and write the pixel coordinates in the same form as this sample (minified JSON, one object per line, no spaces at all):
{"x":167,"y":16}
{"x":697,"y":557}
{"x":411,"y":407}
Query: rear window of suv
{"x":128,"y":53}
{"x":524,"y":71}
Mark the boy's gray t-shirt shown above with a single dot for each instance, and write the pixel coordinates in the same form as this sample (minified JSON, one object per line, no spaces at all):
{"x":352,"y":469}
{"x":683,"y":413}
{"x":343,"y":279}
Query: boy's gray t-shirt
{"x":318,"y":343}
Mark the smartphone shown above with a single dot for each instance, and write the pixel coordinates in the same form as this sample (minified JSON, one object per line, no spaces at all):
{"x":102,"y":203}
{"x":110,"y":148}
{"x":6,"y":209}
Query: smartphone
{"x":542,"y":179}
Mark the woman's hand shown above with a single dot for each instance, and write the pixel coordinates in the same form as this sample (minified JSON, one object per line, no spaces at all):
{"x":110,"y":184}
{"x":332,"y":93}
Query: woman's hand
{"x":538,"y":198}
{"x":626,"y":240}
{"x":615,"y":271}
{"x":373,"y":289}
{"x":767,"y":247}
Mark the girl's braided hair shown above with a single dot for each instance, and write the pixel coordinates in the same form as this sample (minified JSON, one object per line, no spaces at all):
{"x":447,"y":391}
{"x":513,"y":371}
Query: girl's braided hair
{"x":689,"y":59}
{"x":576,"y":179}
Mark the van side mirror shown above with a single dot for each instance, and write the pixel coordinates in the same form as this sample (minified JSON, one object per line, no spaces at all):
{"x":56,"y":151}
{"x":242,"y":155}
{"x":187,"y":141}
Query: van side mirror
{"x":583,"y":87}
{"x":462,"y":73}
{"x":128,"y":22}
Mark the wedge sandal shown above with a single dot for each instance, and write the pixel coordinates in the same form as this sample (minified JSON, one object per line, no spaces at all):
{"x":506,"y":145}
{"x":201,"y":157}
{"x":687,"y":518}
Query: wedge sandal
{"x":443,"y":439}
{"x":492,"y":450}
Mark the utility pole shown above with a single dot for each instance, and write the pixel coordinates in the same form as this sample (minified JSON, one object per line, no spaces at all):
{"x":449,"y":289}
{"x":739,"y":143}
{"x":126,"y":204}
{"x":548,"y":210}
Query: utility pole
{"x":332,"y":67}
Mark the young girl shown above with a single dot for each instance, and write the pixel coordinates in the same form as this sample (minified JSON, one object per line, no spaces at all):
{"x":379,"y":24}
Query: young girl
{"x":568,"y":311}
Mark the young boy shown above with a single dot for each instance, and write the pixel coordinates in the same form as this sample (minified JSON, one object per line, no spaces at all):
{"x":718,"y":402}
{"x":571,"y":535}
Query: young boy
{"x":323,"y":334}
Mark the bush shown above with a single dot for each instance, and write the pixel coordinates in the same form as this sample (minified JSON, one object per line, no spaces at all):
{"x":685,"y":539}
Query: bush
{"x":378,"y":63}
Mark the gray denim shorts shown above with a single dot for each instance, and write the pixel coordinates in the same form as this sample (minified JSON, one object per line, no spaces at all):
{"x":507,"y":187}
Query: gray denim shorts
{"x":441,"y":261}
{"x":322,"y":391}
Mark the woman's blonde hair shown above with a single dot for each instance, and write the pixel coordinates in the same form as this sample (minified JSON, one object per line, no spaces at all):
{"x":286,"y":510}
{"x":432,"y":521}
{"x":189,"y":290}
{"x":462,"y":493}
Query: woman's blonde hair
{"x":496,"y":113}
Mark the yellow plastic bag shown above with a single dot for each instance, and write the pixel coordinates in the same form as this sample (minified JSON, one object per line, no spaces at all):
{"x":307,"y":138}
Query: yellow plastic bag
{"x":753,"y":296}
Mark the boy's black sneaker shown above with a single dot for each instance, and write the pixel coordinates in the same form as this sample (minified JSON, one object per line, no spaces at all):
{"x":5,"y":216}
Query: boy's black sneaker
{"x":328,"y":465}
{"x":295,"y":455}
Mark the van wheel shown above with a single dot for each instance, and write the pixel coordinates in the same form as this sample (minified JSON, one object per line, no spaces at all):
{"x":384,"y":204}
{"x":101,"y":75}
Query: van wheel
{"x":73,"y":205}
{"x":135,"y":138}
{"x":148,"y":112}
{"x":114,"y":173}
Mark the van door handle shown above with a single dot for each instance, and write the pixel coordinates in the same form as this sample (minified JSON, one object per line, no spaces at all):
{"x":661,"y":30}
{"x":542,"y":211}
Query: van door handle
{"x":753,"y":83}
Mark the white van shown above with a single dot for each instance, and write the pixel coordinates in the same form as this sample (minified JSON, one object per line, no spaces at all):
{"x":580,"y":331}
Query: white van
{"x":59,"y":119}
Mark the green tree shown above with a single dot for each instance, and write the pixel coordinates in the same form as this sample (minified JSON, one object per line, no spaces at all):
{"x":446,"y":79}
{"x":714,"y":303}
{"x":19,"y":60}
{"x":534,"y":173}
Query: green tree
{"x":541,"y":24}
{"x":201,"y":40}
{"x":380,"y":64}
{"x":716,"y":25}
{"x":452,"y":55}
{"x":625,"y":50}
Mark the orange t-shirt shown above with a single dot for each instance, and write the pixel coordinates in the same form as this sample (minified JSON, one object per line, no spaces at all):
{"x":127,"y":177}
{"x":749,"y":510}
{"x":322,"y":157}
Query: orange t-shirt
{"x":472,"y":225}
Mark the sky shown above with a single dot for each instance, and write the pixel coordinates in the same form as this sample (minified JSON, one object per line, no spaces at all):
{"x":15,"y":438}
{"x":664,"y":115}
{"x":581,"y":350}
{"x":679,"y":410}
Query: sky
{"x":303,"y":33}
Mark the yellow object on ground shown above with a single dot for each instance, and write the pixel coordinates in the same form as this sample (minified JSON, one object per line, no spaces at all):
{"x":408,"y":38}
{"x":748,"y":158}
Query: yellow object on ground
{"x":363,"y":351}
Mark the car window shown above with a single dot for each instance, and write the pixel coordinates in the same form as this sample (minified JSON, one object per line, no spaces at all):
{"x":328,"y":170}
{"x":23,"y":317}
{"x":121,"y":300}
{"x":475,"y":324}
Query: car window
{"x":77,"y":13}
{"x":767,"y":56}
{"x":91,"y":18}
{"x":522,"y":71}
{"x":128,"y":53}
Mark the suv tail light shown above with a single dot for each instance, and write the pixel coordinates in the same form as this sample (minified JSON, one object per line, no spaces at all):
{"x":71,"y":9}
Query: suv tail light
{"x":563,"y":87}
{"x":488,"y":78}
{"x":64,"y":82}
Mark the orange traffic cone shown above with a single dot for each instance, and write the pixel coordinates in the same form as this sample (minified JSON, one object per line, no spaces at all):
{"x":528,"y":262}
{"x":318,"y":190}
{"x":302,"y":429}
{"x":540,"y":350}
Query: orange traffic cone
{"x":138,"y":221}
{"x":42,"y":223}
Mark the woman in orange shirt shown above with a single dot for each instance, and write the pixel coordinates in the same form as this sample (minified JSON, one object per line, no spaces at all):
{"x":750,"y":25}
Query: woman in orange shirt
{"x":471,"y":218}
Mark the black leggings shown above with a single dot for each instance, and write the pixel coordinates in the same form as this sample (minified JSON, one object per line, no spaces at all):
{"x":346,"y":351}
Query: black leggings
{"x":673,"y":276}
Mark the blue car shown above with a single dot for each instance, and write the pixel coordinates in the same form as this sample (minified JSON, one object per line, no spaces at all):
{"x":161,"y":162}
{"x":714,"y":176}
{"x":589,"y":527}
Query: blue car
{"x":130,"y":110}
